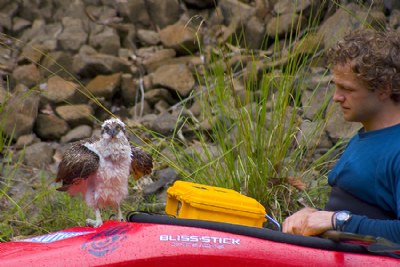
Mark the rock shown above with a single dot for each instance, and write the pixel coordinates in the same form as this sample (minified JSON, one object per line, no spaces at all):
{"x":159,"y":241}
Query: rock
{"x":236,"y":12}
{"x":20,"y":124}
{"x":344,"y":20}
{"x":26,"y":140}
{"x":164,"y":178}
{"x":290,"y":7}
{"x":7,"y":13}
{"x":129,"y":89}
{"x":135,"y":11}
{"x":164,"y":124}
{"x":7,"y":58}
{"x":19,"y":112}
{"x":254,"y":33}
{"x":194,"y":63}
{"x":28,"y":35}
{"x":239,"y":91}
{"x":161,"y":106}
{"x":3,"y":95}
{"x":71,"y":9}
{"x":315,"y":95}
{"x":163,"y":13}
{"x":337,"y":127}
{"x":76,"y":134}
{"x":88,"y":63}
{"x":57,"y":90}
{"x":282,"y":24}
{"x":59,"y":63}
{"x":177,"y":77}
{"x":20,"y":24}
{"x":76,"y":115}
{"x":202,"y":153}
{"x":43,"y":34}
{"x":312,"y":136}
{"x":105,"y":40}
{"x":148,"y":37}
{"x":31,"y":54}
{"x":394,"y":20}
{"x":152,"y":57}
{"x":73,"y":35}
{"x":28,"y":75}
{"x":104,"y":85}
{"x":195,"y":108}
{"x":140,"y":109}
{"x":201,"y":4}
{"x":133,"y":90}
{"x":50,"y":127}
{"x":391,"y":6}
{"x":31,"y":11}
{"x":179,"y":37}
{"x":155,"y":95}
{"x":39,"y":155}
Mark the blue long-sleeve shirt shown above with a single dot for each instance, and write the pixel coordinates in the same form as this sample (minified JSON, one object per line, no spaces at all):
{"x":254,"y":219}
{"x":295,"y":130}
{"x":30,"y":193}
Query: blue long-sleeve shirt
{"x":369,"y":169}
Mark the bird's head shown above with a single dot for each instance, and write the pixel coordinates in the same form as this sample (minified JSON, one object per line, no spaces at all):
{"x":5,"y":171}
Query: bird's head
{"x":113,"y":128}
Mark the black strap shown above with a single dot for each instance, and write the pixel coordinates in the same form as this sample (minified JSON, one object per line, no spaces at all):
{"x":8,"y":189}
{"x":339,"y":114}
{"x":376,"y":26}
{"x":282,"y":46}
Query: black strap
{"x":342,"y":200}
{"x":257,"y":232}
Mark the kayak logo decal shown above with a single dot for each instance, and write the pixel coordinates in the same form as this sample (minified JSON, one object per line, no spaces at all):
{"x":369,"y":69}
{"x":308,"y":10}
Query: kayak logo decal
{"x":214,"y":242}
{"x":52,"y":237}
{"x":106,"y":241}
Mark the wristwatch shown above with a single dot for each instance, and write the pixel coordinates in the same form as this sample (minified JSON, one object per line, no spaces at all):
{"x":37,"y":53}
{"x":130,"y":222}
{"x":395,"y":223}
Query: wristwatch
{"x":339,"y":219}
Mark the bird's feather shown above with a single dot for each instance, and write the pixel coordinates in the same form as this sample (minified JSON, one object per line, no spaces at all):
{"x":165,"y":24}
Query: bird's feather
{"x":142,"y":163}
{"x":77,"y":164}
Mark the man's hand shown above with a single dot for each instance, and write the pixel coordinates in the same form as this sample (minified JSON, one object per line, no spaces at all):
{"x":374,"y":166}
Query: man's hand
{"x":308,"y":221}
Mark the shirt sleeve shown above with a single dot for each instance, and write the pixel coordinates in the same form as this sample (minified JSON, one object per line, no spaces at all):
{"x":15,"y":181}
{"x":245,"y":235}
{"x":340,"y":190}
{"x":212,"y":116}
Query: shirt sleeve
{"x":389,"y":229}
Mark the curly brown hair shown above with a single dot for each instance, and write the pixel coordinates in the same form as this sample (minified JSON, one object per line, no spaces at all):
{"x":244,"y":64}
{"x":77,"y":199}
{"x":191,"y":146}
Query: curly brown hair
{"x":374,"y":57}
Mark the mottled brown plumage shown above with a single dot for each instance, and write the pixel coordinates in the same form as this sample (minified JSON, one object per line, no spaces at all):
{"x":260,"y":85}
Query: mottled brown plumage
{"x":142,"y":163}
{"x":77,"y":163}
{"x":98,"y":168}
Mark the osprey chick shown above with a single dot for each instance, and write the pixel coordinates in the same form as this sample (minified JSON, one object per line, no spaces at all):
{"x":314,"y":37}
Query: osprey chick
{"x":99,"y":169}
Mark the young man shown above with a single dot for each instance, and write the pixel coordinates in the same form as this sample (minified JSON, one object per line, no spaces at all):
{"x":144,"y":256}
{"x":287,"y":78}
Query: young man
{"x":365,"y":196}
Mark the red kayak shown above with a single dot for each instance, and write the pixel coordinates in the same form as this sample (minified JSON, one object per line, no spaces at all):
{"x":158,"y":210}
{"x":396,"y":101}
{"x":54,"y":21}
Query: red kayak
{"x":159,"y":240}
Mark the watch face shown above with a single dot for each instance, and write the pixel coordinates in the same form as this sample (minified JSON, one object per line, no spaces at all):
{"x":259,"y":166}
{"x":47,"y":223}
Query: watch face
{"x":342,"y":216}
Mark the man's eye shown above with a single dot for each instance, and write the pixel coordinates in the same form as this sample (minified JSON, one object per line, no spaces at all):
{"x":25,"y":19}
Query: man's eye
{"x":342,"y":88}
{"x":347,"y":89}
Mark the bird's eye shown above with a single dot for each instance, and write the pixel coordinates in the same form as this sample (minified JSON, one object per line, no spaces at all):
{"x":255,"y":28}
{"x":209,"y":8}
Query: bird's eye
{"x":105,"y":129}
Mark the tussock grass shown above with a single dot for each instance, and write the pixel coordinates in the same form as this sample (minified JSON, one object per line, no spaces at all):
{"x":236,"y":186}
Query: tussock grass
{"x":255,"y":142}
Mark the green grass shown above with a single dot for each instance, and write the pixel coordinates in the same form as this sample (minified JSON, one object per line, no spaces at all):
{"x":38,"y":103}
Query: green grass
{"x":42,"y":209}
{"x":254,"y":136}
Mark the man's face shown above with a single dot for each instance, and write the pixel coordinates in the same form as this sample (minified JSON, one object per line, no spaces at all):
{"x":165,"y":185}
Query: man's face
{"x":357,"y":102}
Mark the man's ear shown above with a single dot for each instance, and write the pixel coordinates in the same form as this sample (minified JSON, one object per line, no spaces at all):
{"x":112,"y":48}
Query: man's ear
{"x":385,"y":92}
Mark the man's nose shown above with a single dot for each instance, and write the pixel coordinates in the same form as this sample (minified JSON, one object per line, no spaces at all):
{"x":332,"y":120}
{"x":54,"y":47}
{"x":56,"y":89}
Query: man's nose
{"x":337,"y":96}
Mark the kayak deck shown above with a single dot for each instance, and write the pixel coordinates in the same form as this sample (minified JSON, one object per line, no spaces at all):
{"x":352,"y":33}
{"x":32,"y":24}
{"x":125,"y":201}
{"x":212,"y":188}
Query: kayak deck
{"x":152,"y":240}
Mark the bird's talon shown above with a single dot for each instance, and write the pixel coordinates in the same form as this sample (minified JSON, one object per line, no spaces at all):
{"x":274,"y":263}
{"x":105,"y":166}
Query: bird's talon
{"x":117,"y":218}
{"x":93,"y":223}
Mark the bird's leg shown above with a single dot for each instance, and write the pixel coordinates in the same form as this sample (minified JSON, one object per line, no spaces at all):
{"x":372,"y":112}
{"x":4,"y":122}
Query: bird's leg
{"x":95,"y":223}
{"x":120,"y":217}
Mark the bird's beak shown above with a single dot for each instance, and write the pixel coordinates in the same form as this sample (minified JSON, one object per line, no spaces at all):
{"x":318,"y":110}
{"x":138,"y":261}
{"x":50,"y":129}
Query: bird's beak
{"x":113,"y":133}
